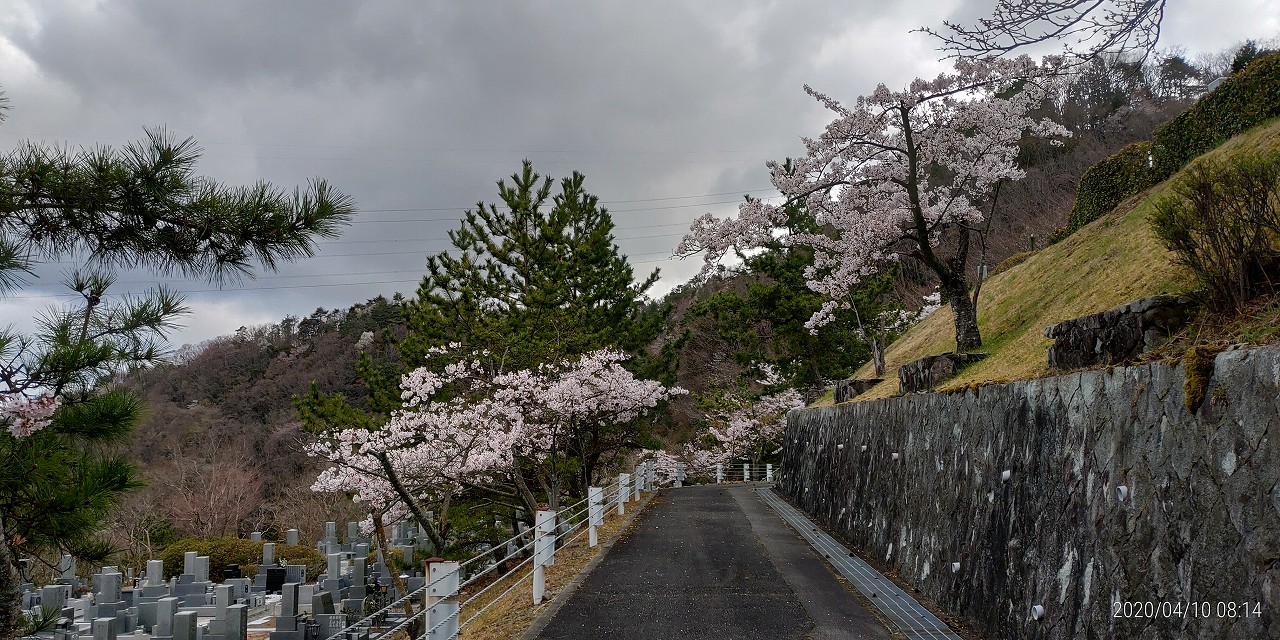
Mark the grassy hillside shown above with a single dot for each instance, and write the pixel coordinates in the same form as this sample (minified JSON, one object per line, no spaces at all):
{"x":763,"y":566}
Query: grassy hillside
{"x":1113,"y":260}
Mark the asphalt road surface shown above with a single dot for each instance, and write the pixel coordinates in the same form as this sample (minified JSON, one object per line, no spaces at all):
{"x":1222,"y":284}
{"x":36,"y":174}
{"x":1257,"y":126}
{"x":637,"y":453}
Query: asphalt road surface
{"x":711,"y":562}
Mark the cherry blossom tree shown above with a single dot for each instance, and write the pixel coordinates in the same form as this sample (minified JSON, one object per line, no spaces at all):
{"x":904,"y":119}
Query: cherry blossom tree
{"x":741,"y":426}
{"x":741,"y":430}
{"x":898,"y":174}
{"x":751,"y":429}
{"x":467,"y":428}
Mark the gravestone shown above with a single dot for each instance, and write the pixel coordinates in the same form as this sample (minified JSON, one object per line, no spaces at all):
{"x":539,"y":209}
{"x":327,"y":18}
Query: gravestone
{"x":55,"y":596}
{"x":290,"y":622}
{"x":184,"y":625}
{"x":306,"y":595}
{"x":155,"y":573}
{"x":356,"y":592}
{"x":291,"y":536}
{"x":296,"y":573}
{"x":330,"y":624}
{"x":67,"y":571}
{"x":104,"y":629}
{"x":166,"y":609}
{"x":322,"y":602}
{"x":152,"y":591}
{"x":275,"y":579}
{"x":236,"y":624}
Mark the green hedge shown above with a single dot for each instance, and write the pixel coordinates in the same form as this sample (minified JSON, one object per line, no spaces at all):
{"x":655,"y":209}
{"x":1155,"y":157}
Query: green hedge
{"x":1110,"y":182}
{"x":246,"y":553}
{"x":1241,"y":102}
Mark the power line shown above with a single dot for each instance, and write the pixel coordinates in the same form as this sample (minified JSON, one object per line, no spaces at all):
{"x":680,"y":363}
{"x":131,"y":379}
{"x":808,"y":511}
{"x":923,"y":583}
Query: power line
{"x":61,"y":138}
{"x":333,"y":242}
{"x":279,"y":287}
{"x":464,"y":209}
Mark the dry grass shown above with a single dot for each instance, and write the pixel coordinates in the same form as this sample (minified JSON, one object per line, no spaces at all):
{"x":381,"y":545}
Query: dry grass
{"x":1113,"y":260}
{"x":515,"y":613}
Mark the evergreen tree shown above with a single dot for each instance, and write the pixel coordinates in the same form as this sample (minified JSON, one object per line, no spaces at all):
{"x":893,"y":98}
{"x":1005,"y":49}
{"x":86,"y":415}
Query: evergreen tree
{"x":536,"y":284}
{"x":141,"y":206}
{"x":533,"y":280}
{"x":529,"y":282}
{"x":769,"y":323}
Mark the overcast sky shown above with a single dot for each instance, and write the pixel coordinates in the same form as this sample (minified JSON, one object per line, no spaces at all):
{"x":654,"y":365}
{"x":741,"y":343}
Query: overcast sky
{"x":416,"y":109}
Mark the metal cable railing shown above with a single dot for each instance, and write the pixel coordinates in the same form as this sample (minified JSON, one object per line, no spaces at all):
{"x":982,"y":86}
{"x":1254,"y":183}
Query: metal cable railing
{"x":568,"y":520}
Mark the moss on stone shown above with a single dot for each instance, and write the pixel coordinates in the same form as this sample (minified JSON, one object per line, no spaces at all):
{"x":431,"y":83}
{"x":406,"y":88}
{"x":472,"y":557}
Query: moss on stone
{"x":1199,"y":360}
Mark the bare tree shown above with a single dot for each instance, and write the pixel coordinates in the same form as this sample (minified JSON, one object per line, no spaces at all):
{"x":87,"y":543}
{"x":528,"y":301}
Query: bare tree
{"x":1087,"y":28}
{"x":210,"y":497}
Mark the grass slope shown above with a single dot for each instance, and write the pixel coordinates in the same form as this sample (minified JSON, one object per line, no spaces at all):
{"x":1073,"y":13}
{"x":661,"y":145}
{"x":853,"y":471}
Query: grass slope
{"x":1113,"y":260}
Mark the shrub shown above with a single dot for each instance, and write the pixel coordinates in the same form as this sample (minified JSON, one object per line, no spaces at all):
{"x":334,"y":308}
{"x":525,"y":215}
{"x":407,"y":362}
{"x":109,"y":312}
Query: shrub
{"x":1110,"y":182}
{"x":1243,"y":101}
{"x":1223,"y":222}
{"x":246,"y":553}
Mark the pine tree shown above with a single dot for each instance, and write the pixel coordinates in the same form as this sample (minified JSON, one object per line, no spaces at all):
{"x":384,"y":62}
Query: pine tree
{"x":535,"y":279}
{"x":536,"y":284}
{"x":140,"y":206}
{"x":769,"y":324}
{"x":529,"y":282}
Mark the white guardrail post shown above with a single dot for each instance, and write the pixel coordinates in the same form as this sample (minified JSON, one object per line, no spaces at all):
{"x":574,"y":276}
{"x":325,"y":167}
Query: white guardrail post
{"x":746,"y":472}
{"x":637,"y":481}
{"x":595,"y":513}
{"x":768,"y":472}
{"x":623,"y":491}
{"x":544,"y":549}
{"x":680,"y":474}
{"x":719,"y":473}
{"x":442,"y":601}
{"x":652,"y":474}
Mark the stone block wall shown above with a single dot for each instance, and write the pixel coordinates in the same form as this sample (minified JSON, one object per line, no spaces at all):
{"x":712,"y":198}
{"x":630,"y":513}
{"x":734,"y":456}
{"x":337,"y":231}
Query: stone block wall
{"x":846,"y":390}
{"x":930,"y":371}
{"x":1199,"y":520}
{"x":1116,"y":335}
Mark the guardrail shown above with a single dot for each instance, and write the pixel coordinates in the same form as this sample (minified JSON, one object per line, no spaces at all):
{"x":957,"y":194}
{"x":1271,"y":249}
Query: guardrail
{"x":745,"y":472}
{"x":440,"y":614}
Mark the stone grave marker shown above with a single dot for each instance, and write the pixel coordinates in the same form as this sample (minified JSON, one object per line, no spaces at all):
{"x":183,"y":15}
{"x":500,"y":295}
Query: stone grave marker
{"x":184,"y":625}
{"x":166,"y":609}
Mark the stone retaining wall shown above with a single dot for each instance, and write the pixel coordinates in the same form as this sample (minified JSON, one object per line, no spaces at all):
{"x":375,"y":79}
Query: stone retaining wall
{"x":1199,"y":520}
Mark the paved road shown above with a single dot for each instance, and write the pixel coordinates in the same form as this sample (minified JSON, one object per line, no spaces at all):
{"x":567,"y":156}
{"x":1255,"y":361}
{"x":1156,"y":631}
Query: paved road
{"x":711,"y":562}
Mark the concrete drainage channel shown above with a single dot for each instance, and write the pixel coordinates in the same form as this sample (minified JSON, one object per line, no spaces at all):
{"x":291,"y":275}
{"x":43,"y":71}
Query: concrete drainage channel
{"x":912,"y":620}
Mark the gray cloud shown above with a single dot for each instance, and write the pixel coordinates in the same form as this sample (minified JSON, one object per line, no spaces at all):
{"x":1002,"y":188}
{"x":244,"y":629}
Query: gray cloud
{"x":415,"y":106}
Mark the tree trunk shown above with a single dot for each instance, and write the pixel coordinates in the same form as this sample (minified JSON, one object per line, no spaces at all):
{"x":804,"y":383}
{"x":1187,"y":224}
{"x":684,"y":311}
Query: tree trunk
{"x":812,"y":352}
{"x":877,"y":354}
{"x":522,"y":489}
{"x":410,"y":500}
{"x":396,"y":580}
{"x":965,"y":313}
